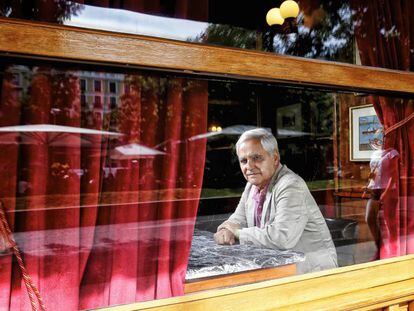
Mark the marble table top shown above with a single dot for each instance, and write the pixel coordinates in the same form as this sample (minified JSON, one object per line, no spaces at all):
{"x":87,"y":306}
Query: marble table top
{"x":209,"y":259}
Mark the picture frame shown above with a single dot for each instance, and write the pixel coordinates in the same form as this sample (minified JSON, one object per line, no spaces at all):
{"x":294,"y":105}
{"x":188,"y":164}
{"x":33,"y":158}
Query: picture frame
{"x":290,"y":117}
{"x":365,"y":132}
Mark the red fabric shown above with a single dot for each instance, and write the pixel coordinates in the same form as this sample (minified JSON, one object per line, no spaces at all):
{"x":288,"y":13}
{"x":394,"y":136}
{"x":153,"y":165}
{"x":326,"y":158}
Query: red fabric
{"x":106,"y":237}
{"x":385,"y":38}
{"x":10,"y":115}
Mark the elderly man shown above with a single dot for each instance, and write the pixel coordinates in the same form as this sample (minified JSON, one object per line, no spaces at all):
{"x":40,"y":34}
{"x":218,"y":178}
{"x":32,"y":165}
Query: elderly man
{"x":276,"y":209}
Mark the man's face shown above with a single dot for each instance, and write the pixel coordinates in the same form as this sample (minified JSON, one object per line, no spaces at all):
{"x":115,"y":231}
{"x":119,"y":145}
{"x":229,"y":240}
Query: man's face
{"x":256,"y":164}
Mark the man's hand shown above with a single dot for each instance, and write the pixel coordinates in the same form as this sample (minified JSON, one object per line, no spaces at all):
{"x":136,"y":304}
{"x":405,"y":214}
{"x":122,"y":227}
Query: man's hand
{"x":224,"y":237}
{"x":232,"y":227}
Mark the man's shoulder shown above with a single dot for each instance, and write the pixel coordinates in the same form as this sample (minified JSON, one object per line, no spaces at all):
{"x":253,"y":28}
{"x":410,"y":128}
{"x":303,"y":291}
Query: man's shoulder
{"x":287,"y":178}
{"x":287,"y":174}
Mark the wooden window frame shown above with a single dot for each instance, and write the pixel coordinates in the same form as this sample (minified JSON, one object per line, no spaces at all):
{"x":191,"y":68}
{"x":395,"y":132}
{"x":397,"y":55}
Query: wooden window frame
{"x":386,"y":283}
{"x":27,"y":39}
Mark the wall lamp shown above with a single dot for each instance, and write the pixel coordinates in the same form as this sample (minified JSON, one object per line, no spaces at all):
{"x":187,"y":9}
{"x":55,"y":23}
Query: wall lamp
{"x":288,"y":9}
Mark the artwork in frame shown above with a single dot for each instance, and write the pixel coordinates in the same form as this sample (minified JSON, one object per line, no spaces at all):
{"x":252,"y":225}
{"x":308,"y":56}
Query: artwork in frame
{"x":290,"y":117}
{"x":365,"y":132}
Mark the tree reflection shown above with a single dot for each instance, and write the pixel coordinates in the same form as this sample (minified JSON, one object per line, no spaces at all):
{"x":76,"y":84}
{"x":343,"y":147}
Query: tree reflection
{"x":56,"y":11}
{"x":228,"y":35}
{"x":325,"y":30}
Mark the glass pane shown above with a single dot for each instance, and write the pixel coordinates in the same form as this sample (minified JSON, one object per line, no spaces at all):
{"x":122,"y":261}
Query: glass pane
{"x":123,"y":199}
{"x":91,"y":185}
{"x":350,"y":31}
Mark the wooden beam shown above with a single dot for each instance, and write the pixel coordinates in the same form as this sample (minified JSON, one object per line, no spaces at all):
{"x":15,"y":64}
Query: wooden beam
{"x":352,"y":287}
{"x":235,"y":279}
{"x":69,"y":43}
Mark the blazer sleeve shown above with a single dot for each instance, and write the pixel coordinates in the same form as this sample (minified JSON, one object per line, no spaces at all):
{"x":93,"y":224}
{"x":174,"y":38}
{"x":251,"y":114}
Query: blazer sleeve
{"x":289,"y":203}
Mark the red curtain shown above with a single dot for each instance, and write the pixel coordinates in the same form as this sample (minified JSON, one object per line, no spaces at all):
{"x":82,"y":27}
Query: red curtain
{"x":96,"y":228}
{"x":385,"y":38}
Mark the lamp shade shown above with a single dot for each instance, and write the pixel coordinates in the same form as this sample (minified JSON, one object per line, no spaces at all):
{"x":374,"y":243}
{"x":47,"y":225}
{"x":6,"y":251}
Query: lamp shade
{"x":289,"y":8}
{"x":273,"y":17}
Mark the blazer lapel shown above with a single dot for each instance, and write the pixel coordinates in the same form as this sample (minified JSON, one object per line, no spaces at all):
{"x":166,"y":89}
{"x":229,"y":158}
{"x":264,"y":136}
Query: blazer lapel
{"x":250,"y":209}
{"x":267,"y":202}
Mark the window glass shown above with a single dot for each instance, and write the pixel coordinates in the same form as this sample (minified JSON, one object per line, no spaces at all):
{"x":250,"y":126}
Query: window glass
{"x":97,"y":102}
{"x":350,"y":31}
{"x":121,"y":203}
{"x":83,"y":99}
{"x":97,"y":85}
{"x":83,"y":85}
{"x":112,"y":87}
{"x":112,"y":102}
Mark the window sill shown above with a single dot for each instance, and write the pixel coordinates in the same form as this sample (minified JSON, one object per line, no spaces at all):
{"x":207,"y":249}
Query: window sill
{"x":365,"y":286}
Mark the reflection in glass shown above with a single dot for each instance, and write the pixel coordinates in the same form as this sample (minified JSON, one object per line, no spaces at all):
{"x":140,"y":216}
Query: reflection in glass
{"x":102,"y":200}
{"x":347,"y":31}
{"x":99,"y":188}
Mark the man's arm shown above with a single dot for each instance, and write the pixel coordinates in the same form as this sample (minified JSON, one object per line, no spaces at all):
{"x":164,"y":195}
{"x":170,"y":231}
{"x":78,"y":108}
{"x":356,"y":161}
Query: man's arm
{"x":290,"y":220}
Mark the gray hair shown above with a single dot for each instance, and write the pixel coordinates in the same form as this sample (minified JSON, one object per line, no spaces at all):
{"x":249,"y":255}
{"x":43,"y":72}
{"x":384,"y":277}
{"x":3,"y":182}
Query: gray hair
{"x":266,"y":138}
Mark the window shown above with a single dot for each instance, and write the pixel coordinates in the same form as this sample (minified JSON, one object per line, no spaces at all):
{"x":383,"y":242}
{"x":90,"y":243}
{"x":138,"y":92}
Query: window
{"x":112,"y":102}
{"x":97,"y":85}
{"x":130,"y":159}
{"x":112,"y":87}
{"x":98,"y":102}
{"x":290,"y":117}
{"x":83,"y":85}
{"x":83,"y":99}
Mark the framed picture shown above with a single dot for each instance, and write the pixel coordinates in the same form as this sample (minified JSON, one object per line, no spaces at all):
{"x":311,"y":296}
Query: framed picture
{"x":365,"y":132}
{"x":290,"y":117}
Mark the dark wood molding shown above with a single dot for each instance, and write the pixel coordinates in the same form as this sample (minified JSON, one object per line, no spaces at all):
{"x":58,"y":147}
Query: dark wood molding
{"x":32,"y":39}
{"x":241,"y":278}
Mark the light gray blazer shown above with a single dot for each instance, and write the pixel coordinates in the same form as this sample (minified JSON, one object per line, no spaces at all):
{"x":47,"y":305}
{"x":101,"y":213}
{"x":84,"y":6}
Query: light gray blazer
{"x":294,"y":221}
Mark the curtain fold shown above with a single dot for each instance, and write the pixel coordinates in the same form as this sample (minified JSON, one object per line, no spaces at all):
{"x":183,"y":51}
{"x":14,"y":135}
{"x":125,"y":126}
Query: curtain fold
{"x":10,"y":115}
{"x":385,"y":38}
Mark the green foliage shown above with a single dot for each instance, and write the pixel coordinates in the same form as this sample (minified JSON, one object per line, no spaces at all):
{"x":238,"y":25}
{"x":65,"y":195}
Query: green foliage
{"x":228,"y":35}
{"x":58,"y":11}
{"x":330,"y":38}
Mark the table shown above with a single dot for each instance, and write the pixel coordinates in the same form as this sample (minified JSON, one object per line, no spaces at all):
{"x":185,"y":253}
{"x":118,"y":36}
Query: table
{"x":212,"y":266}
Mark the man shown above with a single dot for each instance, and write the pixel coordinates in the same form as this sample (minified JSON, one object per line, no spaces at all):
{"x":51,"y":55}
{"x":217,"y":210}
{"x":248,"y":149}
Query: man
{"x":276,"y":209}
